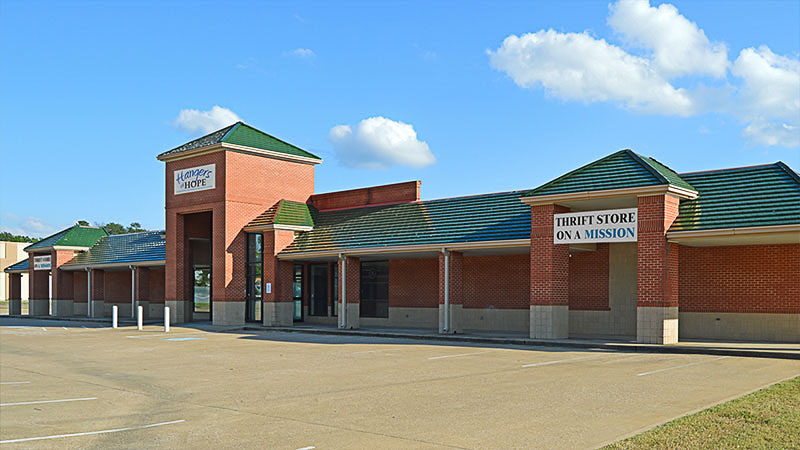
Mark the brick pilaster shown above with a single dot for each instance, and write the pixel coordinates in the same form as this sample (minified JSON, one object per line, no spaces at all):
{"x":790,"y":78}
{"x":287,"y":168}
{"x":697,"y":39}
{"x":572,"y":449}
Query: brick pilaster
{"x":549,"y":262}
{"x":657,"y":260}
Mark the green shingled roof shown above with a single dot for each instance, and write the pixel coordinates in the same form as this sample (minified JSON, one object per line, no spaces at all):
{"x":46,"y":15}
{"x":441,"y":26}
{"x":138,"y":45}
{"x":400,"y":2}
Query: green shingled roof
{"x":746,"y":197}
{"x":19,"y":267}
{"x":488,"y":217}
{"x":147,"y":246}
{"x":285,"y":212}
{"x":245,"y":135}
{"x":623,"y":169}
{"x":74,"y":236}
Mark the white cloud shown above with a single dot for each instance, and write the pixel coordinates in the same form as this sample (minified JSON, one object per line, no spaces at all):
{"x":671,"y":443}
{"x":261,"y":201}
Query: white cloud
{"x":772,"y":133}
{"x":771,"y":83}
{"x":303,"y":52}
{"x":576,"y":66}
{"x":763,"y":92}
{"x":193,"y":120}
{"x":379,"y":143}
{"x":679,"y":47}
{"x":770,"y":96}
{"x":28,"y":226}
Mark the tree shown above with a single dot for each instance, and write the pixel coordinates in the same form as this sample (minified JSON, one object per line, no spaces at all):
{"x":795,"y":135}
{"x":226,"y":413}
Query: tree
{"x":116,"y":228}
{"x":6,"y":236}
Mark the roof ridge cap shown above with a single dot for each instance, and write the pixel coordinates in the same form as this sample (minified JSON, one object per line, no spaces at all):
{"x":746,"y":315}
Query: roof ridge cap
{"x":785,"y":167}
{"x":755,"y":166}
{"x":638,"y":158}
{"x":269,"y":136}
{"x":585,"y":166}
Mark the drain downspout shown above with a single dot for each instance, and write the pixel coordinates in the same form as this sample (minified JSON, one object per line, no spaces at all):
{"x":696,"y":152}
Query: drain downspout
{"x":88,"y":292}
{"x":133,"y":291}
{"x":446,"y":325}
{"x":343,"y":307}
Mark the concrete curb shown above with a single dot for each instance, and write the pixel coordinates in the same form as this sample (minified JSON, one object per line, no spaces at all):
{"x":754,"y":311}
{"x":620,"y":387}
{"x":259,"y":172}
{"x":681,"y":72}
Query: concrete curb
{"x":107,"y":320}
{"x":637,"y":348}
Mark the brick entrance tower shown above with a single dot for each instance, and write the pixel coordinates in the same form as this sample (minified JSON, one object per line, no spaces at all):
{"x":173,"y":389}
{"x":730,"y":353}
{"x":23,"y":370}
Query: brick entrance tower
{"x":215,"y":186}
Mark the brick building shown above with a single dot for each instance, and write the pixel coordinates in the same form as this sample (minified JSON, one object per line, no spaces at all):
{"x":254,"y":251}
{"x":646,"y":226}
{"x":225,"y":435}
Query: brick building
{"x":623,"y":247}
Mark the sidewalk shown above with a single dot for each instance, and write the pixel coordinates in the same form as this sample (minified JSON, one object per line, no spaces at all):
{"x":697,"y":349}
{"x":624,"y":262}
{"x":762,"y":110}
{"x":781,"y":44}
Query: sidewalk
{"x":745,"y":349}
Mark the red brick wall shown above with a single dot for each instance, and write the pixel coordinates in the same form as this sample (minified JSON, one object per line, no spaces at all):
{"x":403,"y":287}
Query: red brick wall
{"x":414,"y":283}
{"x":375,"y":195}
{"x":117,"y":286}
{"x":456,"y":278}
{"x":588,"y":280}
{"x":740,"y":279}
{"x":38,"y":281}
{"x":15,"y":290}
{"x":98,"y":284}
{"x":155,"y":284}
{"x":246,"y":186}
{"x":62,"y":280}
{"x":353,"y":280}
{"x":79,"y":287}
{"x":497,"y":281}
{"x":657,"y":262}
{"x":549,"y":280}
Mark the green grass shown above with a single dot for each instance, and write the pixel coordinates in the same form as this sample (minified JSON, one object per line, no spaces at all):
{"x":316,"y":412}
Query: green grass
{"x":769,"y":418}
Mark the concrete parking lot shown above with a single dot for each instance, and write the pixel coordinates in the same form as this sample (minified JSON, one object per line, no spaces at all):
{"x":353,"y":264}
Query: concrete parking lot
{"x":78,"y":385}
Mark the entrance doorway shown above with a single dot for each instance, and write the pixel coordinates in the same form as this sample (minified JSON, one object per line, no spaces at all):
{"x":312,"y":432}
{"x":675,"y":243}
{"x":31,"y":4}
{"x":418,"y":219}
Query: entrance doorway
{"x":201,"y":278}
{"x":319,"y":290}
{"x":202,"y":289}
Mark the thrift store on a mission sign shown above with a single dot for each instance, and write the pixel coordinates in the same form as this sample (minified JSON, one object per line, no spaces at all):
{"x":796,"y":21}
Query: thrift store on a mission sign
{"x":615,"y":225}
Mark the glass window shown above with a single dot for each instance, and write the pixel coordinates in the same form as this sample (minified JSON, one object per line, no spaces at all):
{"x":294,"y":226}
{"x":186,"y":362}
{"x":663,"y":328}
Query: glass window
{"x":254,"y":270}
{"x":375,"y":289}
{"x":297,"y":289}
{"x":202,"y":290}
{"x":335,"y":290}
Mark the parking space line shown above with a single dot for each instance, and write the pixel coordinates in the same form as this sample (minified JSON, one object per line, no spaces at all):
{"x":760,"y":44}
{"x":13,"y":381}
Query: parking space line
{"x":680,"y":366}
{"x":13,"y":382}
{"x":460,"y":354}
{"x":49,"y":401}
{"x":87,"y":433}
{"x":311,"y":447}
{"x":547,"y":363}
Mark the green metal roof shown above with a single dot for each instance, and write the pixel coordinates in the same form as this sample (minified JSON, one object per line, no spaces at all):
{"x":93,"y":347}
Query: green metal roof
{"x":148,"y":246}
{"x":74,"y":236}
{"x":19,"y":267}
{"x":745,"y":197}
{"x":623,"y":169}
{"x":245,"y":135}
{"x":487,"y":217}
{"x":285,"y":212}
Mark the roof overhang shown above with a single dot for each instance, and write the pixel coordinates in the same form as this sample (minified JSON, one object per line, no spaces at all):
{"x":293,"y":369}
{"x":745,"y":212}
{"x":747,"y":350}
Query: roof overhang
{"x":277,"y":226}
{"x":220,"y":147}
{"x":638,"y":191}
{"x":409,"y":249}
{"x":58,"y":248}
{"x":22,"y":271}
{"x":122,"y":265}
{"x":778,"y":234}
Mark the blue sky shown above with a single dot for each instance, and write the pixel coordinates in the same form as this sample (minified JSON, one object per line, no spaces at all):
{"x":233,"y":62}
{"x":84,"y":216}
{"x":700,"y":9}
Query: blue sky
{"x":467,"y":97}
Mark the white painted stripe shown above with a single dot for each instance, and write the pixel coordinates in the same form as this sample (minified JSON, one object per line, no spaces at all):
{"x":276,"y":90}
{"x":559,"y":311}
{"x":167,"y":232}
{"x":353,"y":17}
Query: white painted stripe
{"x":44,"y":329}
{"x":311,"y":447}
{"x":87,"y":433}
{"x":49,"y":401}
{"x":64,"y":328}
{"x":460,"y":354}
{"x":374,"y":351}
{"x":547,"y":363}
{"x":14,"y":382}
{"x":681,"y":366}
